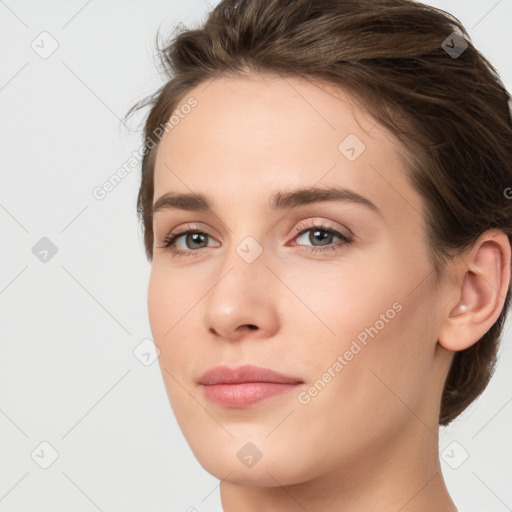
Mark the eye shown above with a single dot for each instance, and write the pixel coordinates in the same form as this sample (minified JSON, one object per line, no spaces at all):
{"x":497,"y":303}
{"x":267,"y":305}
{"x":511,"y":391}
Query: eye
{"x":321,"y":235}
{"x":193,"y":239}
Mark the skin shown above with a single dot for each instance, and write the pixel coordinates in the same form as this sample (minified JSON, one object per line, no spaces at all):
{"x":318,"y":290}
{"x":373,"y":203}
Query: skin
{"x":369,"y":439}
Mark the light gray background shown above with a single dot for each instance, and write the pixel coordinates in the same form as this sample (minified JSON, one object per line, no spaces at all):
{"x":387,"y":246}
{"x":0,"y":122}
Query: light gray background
{"x":68,"y":375}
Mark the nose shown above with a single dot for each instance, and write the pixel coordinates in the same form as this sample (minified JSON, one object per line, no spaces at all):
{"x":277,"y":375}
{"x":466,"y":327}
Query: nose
{"x":243,"y":302}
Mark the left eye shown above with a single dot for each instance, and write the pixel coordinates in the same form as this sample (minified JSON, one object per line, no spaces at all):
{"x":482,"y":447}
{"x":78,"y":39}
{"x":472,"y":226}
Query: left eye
{"x":323,"y":235}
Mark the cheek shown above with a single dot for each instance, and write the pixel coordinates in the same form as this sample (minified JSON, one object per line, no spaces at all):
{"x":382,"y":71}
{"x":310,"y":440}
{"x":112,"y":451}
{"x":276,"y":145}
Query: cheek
{"x":166,"y":315}
{"x":167,"y":307}
{"x":171,"y":295}
{"x":336,"y":302}
{"x":154,"y":300}
{"x":374,"y":388}
{"x":159,"y":304}
{"x":373,"y":343}
{"x":173,"y":303}
{"x":396,"y":365}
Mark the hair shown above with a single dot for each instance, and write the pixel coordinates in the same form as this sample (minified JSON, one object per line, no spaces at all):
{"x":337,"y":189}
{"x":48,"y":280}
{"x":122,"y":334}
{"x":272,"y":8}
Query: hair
{"x":450,"y":111}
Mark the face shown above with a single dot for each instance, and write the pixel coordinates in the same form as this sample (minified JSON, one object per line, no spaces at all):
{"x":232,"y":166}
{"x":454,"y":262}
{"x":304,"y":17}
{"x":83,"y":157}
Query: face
{"x":333,"y":291}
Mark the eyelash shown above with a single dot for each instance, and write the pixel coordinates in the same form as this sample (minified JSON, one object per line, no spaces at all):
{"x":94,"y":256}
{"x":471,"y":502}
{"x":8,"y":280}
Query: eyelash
{"x":300,"y":230}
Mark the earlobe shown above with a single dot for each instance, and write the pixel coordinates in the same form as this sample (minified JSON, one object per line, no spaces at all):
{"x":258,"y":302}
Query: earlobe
{"x":482,"y":288}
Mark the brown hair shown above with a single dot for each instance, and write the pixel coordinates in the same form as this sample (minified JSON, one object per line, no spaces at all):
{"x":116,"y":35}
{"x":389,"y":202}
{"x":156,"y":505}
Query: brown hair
{"x":400,"y":59}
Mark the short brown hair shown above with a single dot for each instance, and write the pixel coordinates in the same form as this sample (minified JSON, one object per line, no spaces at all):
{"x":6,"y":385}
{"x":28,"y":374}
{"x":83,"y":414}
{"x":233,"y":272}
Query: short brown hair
{"x":452,"y":112}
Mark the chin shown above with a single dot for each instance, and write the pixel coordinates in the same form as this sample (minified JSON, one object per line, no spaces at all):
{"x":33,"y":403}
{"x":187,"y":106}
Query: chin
{"x":246,"y":460}
{"x":260,"y":475}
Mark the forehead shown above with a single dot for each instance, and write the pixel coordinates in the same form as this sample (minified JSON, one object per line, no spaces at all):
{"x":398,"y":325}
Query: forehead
{"x":257,"y":134}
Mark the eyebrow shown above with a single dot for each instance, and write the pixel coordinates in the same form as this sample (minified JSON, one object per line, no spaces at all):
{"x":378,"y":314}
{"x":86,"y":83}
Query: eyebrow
{"x":279,"y":201}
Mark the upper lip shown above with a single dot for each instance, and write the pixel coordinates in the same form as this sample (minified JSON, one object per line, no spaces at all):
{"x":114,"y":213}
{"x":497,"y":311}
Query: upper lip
{"x":246,"y":373}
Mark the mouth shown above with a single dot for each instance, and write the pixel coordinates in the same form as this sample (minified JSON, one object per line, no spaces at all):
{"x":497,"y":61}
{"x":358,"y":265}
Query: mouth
{"x":245,"y":385}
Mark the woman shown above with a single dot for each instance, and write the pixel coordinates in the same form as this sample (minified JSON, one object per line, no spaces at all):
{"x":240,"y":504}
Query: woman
{"x":324,"y":204}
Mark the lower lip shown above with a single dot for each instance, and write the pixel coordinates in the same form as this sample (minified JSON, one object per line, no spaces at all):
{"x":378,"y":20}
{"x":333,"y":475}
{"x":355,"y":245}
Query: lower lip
{"x":245,"y":394}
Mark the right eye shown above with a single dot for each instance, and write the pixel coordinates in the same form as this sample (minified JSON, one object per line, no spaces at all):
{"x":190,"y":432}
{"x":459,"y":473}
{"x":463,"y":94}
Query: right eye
{"x":192,"y":237}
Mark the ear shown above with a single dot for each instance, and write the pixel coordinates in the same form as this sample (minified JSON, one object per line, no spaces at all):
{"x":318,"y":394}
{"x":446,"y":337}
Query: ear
{"x":482,"y":281}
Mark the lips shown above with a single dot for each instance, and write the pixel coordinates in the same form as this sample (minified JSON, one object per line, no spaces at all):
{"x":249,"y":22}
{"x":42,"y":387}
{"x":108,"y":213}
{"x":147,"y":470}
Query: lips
{"x":245,"y":385}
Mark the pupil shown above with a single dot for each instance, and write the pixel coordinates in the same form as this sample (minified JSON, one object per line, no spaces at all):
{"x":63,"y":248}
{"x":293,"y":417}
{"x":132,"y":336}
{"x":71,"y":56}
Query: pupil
{"x":196,"y":237}
{"x":322,"y":237}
